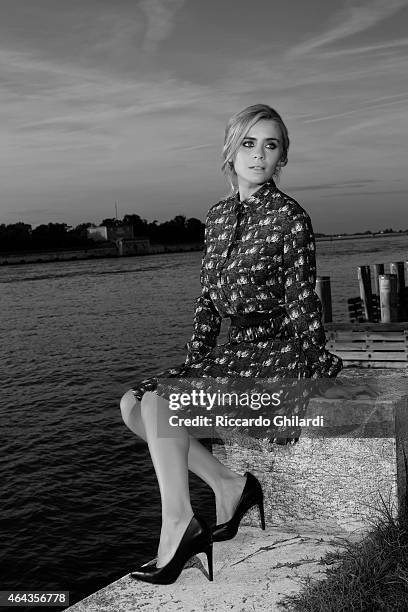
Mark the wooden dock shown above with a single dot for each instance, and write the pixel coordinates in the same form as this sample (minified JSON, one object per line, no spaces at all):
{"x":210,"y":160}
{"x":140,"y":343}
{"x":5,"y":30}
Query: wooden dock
{"x":369,"y":345}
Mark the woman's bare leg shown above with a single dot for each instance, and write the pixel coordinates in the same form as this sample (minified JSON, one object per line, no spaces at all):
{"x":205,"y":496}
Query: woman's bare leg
{"x":226,"y":484}
{"x":169,"y":453}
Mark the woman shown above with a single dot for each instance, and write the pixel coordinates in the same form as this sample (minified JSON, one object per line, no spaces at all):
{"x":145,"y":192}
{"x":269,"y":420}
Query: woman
{"x":258,"y":269}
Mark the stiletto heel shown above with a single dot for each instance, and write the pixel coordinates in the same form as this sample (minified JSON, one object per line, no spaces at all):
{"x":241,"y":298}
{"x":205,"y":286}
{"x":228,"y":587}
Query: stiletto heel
{"x":209,"y":552}
{"x":262,"y":513}
{"x":196,"y":539}
{"x":252,"y":495}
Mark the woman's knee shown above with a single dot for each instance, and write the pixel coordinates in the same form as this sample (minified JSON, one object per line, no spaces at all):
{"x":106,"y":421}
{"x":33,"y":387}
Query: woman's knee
{"x":149,"y":405}
{"x":127,"y":404}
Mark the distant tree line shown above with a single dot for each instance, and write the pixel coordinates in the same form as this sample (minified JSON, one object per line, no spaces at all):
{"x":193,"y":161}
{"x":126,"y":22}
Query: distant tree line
{"x":180,"y":229}
{"x":51,"y":236}
{"x":388,"y":230}
{"x":22,"y":237}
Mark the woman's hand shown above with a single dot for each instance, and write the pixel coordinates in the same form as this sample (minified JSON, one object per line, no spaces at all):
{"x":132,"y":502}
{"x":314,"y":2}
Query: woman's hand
{"x":364,"y":391}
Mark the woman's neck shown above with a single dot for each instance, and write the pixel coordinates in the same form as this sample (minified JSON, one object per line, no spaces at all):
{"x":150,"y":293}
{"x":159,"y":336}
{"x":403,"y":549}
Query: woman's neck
{"x":245,"y":191}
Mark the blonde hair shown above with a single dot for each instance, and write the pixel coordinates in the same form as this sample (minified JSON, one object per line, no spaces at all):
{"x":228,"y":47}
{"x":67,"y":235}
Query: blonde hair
{"x":238,"y":126}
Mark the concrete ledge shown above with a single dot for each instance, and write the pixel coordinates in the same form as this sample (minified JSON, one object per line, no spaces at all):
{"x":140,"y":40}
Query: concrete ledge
{"x":318,"y":493}
{"x":251,"y":572}
{"x":332,"y":485}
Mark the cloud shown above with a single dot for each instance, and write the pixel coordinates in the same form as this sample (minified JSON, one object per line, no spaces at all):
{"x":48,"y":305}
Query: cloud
{"x":42,"y":94}
{"x":197,"y":147}
{"x":391,"y":44}
{"x":374,"y":193}
{"x":324,"y":186}
{"x":159,"y":16}
{"x":31,"y":210}
{"x":362,"y":109}
{"x":351,"y":20}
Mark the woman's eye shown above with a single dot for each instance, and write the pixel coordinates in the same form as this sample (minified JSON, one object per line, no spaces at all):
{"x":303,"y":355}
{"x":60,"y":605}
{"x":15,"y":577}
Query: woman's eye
{"x":249,"y":144}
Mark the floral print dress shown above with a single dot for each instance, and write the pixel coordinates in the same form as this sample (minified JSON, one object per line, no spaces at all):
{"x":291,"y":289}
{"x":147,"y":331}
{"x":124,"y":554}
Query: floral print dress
{"x":259,"y":269}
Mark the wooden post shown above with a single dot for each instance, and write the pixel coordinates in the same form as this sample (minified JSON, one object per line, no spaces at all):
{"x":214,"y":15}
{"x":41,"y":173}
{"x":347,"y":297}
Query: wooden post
{"x":406,"y":290}
{"x":377,"y":269}
{"x":397,"y":268}
{"x":323,"y":291}
{"x":401,"y":435}
{"x":388,"y":298}
{"x":364,"y":280}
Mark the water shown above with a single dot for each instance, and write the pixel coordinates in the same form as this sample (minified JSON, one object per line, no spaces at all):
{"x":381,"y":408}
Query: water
{"x":339,"y":259}
{"x":80,"y":505}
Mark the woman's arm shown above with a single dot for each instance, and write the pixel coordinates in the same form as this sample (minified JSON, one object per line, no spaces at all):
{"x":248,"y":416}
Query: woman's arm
{"x":301,"y":302}
{"x":207,"y":320}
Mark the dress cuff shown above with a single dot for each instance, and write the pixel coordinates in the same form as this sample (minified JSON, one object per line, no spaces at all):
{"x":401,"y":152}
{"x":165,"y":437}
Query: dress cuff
{"x":196,"y":353}
{"x":323,"y":364}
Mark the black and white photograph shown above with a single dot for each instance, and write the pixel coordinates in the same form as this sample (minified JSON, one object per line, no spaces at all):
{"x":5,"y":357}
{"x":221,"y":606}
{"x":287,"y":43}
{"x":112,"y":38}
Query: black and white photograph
{"x":204,"y":297}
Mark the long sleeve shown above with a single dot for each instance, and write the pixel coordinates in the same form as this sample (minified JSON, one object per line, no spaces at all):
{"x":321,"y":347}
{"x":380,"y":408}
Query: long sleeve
{"x":301,"y":302}
{"x":207,"y":320}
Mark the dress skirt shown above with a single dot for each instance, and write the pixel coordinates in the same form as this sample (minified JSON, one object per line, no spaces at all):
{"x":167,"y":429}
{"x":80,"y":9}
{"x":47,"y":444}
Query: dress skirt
{"x":271,"y":353}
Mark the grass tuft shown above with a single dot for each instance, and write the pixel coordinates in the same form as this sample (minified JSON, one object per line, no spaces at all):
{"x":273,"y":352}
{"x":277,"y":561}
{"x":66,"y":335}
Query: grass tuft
{"x":367,"y":576}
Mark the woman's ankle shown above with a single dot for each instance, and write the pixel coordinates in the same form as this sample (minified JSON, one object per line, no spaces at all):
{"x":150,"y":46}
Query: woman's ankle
{"x":175,"y":518}
{"x":228,"y":481}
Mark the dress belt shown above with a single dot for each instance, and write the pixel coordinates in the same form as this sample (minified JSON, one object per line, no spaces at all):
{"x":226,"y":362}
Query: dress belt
{"x":254,"y":318}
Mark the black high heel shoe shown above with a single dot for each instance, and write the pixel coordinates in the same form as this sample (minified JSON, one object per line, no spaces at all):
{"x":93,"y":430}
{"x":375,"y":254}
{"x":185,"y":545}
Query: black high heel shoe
{"x":196,"y":539}
{"x":252,"y":495}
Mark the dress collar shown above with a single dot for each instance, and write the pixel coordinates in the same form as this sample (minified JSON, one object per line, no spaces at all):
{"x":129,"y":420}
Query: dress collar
{"x":257,"y":197}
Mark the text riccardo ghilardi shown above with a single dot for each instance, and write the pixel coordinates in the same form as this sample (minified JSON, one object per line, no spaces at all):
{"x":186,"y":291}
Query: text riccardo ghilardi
{"x":254,"y":401}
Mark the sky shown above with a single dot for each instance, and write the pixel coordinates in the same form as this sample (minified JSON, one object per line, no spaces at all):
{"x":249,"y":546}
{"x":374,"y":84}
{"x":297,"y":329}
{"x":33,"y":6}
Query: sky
{"x":126,"y":101}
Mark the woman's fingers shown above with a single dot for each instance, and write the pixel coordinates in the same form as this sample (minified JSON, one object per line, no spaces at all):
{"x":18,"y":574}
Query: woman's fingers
{"x":352,"y":392}
{"x":366,"y":390}
{"x":337,"y":393}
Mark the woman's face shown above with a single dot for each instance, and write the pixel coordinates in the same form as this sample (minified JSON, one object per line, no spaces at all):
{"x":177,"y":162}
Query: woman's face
{"x":258,"y":154}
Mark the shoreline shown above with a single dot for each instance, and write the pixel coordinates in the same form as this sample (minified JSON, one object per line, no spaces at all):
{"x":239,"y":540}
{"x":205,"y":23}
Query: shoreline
{"x":358,"y":236}
{"x":110,"y":250}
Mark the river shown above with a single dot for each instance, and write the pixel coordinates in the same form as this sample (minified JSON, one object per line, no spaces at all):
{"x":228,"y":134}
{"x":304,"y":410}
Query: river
{"x":80,"y":505}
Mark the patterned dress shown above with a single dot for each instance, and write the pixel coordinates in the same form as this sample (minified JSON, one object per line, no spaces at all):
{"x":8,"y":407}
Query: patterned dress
{"x":258,"y":262}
